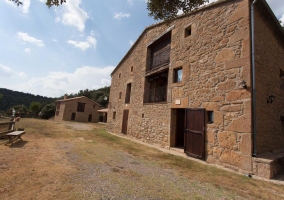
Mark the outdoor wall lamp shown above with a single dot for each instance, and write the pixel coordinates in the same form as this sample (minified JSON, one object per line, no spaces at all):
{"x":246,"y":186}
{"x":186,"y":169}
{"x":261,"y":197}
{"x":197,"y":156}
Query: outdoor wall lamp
{"x":270,"y":98}
{"x":244,"y":84}
{"x":105,"y":98}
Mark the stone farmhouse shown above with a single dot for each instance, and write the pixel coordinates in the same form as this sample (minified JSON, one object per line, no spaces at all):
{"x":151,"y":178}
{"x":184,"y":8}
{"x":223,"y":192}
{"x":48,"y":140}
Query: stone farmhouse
{"x":79,"y":109}
{"x":210,"y":83}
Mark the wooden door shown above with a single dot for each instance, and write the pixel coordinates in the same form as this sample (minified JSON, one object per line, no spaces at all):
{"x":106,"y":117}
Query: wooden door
{"x":90,"y":118}
{"x":73,"y":116}
{"x":124,"y":121}
{"x":194,"y":135}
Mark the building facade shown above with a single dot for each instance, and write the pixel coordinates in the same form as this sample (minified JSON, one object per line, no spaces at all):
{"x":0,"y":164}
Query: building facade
{"x":79,"y":109}
{"x":195,"y":84}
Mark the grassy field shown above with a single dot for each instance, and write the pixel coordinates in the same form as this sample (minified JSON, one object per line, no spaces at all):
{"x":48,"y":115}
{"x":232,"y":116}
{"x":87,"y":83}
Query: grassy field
{"x":82,"y":161}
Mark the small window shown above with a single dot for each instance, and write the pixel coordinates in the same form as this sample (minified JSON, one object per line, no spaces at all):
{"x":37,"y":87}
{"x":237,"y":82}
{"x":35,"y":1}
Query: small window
{"x":120,"y":95}
{"x":131,"y":69}
{"x":119,"y":75}
{"x":57,"y":113}
{"x":177,"y":75}
{"x":113,"y":115}
{"x":143,"y":115}
{"x":81,"y":107}
{"x":128,"y":92}
{"x":94,"y":106}
{"x":210,"y":117}
{"x":187,"y":31}
{"x":281,"y":76}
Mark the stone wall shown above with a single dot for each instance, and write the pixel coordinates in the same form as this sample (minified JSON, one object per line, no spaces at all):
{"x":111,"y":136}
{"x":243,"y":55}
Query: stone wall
{"x":215,"y":58}
{"x":269,"y":60}
{"x":70,"y":106}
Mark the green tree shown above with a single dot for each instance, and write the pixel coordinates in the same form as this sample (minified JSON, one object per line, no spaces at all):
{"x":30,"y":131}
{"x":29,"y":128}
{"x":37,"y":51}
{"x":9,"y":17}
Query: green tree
{"x":48,"y":111}
{"x":168,"y":9}
{"x":158,"y":9}
{"x":1,"y":95}
{"x":17,"y":2}
{"x":34,"y":107}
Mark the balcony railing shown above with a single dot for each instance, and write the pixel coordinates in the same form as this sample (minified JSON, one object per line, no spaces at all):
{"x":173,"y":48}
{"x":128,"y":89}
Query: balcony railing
{"x":156,"y":95}
{"x":160,"y":58}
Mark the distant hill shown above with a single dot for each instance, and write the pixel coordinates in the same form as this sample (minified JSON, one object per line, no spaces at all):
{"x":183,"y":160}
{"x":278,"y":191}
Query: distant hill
{"x":13,"y":98}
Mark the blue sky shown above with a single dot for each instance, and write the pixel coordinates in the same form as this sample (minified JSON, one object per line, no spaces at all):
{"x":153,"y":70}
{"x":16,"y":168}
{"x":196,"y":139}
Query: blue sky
{"x":74,"y":47}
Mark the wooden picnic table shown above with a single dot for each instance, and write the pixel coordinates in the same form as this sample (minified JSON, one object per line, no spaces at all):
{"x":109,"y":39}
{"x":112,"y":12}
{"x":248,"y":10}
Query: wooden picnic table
{"x":13,"y":136}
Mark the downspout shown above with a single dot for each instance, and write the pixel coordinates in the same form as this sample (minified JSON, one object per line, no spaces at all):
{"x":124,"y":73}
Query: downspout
{"x":253,"y":80}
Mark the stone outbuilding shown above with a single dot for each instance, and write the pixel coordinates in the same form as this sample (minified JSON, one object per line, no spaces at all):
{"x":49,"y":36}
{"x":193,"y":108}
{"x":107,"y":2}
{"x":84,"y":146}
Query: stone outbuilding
{"x":210,"y":83}
{"x":79,"y":109}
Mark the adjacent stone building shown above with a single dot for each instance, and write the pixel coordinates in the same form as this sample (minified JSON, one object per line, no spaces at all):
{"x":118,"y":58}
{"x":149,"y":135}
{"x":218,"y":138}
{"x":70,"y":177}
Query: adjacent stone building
{"x":80,"y":109}
{"x":210,"y":82}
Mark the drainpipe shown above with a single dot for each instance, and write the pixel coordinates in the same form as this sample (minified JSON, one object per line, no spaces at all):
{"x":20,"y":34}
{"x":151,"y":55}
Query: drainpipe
{"x":253,"y":79}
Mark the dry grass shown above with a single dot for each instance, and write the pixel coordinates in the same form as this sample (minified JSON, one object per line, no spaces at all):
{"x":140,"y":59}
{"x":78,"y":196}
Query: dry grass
{"x":82,"y":161}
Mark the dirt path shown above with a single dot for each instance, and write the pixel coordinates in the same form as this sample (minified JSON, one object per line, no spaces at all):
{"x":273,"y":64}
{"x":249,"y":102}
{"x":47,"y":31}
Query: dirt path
{"x":78,"y":161}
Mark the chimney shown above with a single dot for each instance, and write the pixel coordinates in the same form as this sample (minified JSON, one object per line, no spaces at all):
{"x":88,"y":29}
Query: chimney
{"x":65,"y":96}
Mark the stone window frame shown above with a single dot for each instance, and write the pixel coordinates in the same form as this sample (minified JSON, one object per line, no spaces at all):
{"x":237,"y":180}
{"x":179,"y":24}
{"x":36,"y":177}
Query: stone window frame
{"x":131,"y":69}
{"x":188,"y":31}
{"x":128,"y":93}
{"x":120,"y":95}
{"x":175,"y":74}
{"x":114,"y":115}
{"x":119,"y":75}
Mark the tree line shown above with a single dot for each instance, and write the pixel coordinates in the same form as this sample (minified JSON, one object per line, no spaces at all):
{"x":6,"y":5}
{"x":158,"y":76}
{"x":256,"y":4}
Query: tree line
{"x":29,"y":105}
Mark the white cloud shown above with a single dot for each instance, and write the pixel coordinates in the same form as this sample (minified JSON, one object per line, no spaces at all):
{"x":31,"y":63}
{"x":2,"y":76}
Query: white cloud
{"x":7,"y":72}
{"x":131,"y":42}
{"x":27,"y":50}
{"x":24,"y":7}
{"x":26,"y":38}
{"x":90,"y":42}
{"x":130,"y":2}
{"x":121,"y":15}
{"x":73,"y":15}
{"x":56,"y":84}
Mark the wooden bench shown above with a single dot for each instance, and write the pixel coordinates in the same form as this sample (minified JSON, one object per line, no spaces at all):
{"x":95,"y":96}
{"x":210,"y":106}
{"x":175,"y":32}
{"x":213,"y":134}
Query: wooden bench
{"x":7,"y":129}
{"x":13,"y":136}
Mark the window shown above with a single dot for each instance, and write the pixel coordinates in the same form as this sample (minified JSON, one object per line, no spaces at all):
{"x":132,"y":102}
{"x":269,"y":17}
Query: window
{"x":119,"y":75}
{"x":127,"y":94}
{"x":94,"y":106}
{"x":120,"y":95}
{"x":177,"y":75}
{"x":187,"y":31}
{"x":156,"y":88}
{"x":210,"y":117}
{"x":81,"y":107}
{"x":281,"y":76}
{"x":131,"y":69}
{"x":142,"y":115}
{"x":113,"y":115}
{"x":57,"y":113}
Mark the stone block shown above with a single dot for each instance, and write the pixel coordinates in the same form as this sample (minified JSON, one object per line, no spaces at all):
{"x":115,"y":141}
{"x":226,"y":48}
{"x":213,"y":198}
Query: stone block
{"x":240,"y":34}
{"x":237,"y":63}
{"x":218,"y":118}
{"x":227,"y":139}
{"x":210,"y":137}
{"x":232,"y":108}
{"x":236,"y":159}
{"x":225,"y":55}
{"x":211,"y":106}
{"x":242,"y":124}
{"x":227,"y":85}
{"x":236,"y":95}
{"x":245,"y":144}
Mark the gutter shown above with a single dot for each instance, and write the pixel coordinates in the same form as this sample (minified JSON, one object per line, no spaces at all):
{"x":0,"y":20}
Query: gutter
{"x":253,"y":79}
